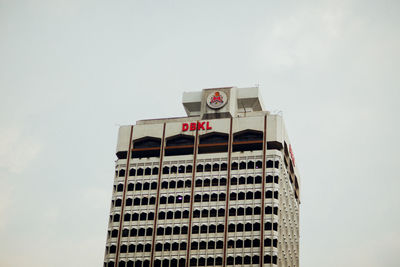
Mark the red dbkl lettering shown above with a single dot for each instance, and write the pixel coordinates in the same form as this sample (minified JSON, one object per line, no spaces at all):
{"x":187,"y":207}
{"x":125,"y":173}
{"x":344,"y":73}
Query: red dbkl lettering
{"x":185,"y":127}
{"x":208,"y":126}
{"x":193,"y":126}
{"x":200,"y":125}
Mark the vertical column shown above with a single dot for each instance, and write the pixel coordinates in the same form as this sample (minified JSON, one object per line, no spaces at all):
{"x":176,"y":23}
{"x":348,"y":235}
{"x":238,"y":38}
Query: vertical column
{"x":157,"y":197}
{"x":263,"y":194}
{"x":227,"y":193}
{"x":195,"y":148}
{"x":123,"y":198}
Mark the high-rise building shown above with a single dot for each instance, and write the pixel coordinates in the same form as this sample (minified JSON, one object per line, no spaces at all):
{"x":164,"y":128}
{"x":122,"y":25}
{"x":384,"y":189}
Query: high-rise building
{"x":218,"y":187}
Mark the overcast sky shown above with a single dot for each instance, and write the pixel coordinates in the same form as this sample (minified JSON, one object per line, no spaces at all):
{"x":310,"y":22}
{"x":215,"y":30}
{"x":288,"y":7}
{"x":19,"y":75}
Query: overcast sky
{"x":71,"y":72}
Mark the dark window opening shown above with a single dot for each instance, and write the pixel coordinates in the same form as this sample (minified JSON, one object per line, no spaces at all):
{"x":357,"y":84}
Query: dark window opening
{"x":146,"y":147}
{"x":213,"y":143}
{"x":179,"y":145}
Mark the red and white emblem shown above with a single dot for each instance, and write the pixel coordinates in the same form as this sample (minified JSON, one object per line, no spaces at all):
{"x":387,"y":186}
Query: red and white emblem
{"x":216,"y":100}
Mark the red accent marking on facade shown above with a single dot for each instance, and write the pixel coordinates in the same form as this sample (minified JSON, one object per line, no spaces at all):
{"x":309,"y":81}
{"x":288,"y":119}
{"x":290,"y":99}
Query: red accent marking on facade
{"x":191,"y":198}
{"x":193,"y":126}
{"x":157,"y":198}
{"x":185,"y":127}
{"x":200,"y":125}
{"x":263,"y":195}
{"x":227,"y":193}
{"x":123,"y":198}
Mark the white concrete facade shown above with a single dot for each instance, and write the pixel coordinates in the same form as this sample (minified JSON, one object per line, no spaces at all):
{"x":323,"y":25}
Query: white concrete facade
{"x":219,"y":187}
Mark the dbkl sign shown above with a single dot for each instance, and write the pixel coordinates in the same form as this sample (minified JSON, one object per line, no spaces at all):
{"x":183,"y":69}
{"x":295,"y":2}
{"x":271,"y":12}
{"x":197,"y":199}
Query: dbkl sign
{"x":193,"y":126}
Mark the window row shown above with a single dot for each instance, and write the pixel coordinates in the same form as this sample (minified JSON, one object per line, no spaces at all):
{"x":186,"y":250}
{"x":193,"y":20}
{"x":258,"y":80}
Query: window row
{"x":210,"y":182}
{"x":174,"y":184}
{"x":210,"y":261}
{"x":240,"y":227}
{"x":199,"y":183}
{"x":205,"y":213}
{"x":175,"y":199}
{"x":242,"y":196}
{"x":248,"y":243}
{"x":129,"y":249}
{"x":207,"y":197}
{"x":136,"y":187}
{"x":172,"y":231}
{"x":168,"y":246}
{"x":138,"y":201}
{"x":132,"y":232}
{"x":207,"y":245}
{"x":244,"y":211}
{"x":135,"y":217}
{"x":204,"y":229}
{"x":199,"y":168}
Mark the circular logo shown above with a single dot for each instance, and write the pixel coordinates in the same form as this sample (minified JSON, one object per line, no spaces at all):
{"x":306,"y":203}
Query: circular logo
{"x":217,"y":100}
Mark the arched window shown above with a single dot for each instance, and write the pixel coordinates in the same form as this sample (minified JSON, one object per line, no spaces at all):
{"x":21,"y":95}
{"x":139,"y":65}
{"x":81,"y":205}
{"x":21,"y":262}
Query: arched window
{"x":195,"y":229}
{"x":149,"y":232}
{"x":214,"y":197}
{"x":189,"y":169}
{"x":142,"y":216}
{"x":179,"y":145}
{"x":239,"y":227}
{"x":128,"y":202}
{"x":203,"y":229}
{"x":204,"y":213}
{"x":161,"y":215}
{"x":220,"y":244}
{"x":178,"y":214}
{"x":131,"y":187}
{"x":222,"y":197}
{"x":250,"y":165}
{"x":179,"y":184}
{"x":160,"y":231}
{"x":138,"y":187}
{"x":196,"y":214}
{"x":257,"y":210}
{"x":157,"y":263}
{"x":207,"y":167}
{"x":141,"y":232}
{"x":242,"y":180}
{"x":123,"y":249}
{"x":256,"y":227}
{"x":268,"y":210}
{"x":230,"y":260}
{"x":136,"y":202}
{"x":238,"y":260}
{"x":247,"y":259}
{"x":233,"y":196}
{"x":199,"y":168}
{"x":163,"y":200}
{"x":240,"y":211}
{"x":185,"y":214}
{"x":155,"y":171}
{"x":127,"y":217}
{"x":194,"y":245}
{"x":249,"y":195}
{"x":213,"y":213}
{"x":276,"y":210}
{"x":235,"y":166}
{"x":218,"y":261}
{"x":234,"y":181}
{"x":120,"y":188}
{"x":174,"y":169}
{"x":146,"y":186}
{"x":159,"y":247}
{"x":276,"y":194}
{"x":256,"y":243}
{"x":222,"y":181}
{"x":174,"y":262}
{"x":212,"y":228}
{"x":113,"y":249}
{"x":193,"y":262}
{"x":186,"y":199}
{"x":206,"y":197}
{"x":242,"y":165}
{"x":231,"y":243}
{"x":220,"y":228}
{"x":231,"y":228}
{"x":121,"y":173}
{"x":203,"y":245}
{"x":276,"y":179}
{"x":268,"y":194}
{"x":147,"y":171}
{"x":241,"y":196}
{"x":197,"y":198}
{"x":171,"y":199}
{"x":214,"y":182}
{"x":153,"y":185}
{"x":176,"y":230}
{"x":133,"y":232}
{"x":184,"y":230}
{"x":165,"y":170}
{"x":188,"y":183}
{"x":125,"y":232}
{"x":270,"y":164}
{"x":139,"y":248}
{"x":116,"y":218}
{"x":146,"y":147}
{"x":167,"y":247}
{"x":175,"y":247}
{"x":139,"y":172}
{"x":232,"y":212}
{"x":210,"y":261}
{"x":131,"y":249}
{"x":247,"y":140}
{"x":172,"y":184}
{"x":257,"y":180}
{"x":211,"y":244}
{"x":206,"y":182}
{"x":182,"y":261}
{"x":258,"y":164}
{"x":165,"y":263}
{"x":275,"y":226}
{"x":215,"y":167}
{"x":249,"y":211}
{"x":202,"y":261}
{"x":181,"y":169}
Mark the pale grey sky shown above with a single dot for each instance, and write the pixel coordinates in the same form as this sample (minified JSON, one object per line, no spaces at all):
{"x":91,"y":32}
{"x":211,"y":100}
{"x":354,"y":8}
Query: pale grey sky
{"x":72,"y":71}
